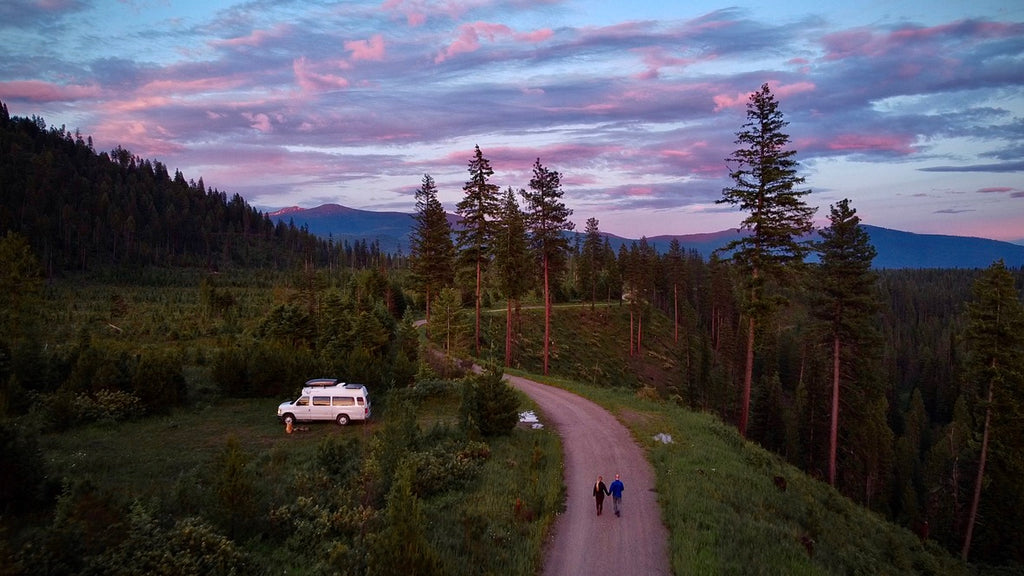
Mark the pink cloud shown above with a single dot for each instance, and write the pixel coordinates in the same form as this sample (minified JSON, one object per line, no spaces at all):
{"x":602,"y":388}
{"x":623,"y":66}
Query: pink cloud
{"x":372,"y":49}
{"x":142,"y":103}
{"x":416,"y":12}
{"x":470,"y":35}
{"x":138,"y":137}
{"x":260,"y":122}
{"x":655,"y":59}
{"x":39,"y":91}
{"x":639,"y":191}
{"x":864,"y":42}
{"x":254,"y":39}
{"x":312,"y":81}
{"x":995,"y":190}
{"x":899,"y":143}
{"x":723,"y":101}
{"x":578,"y":179}
{"x":536,"y":36}
{"x":195,"y":86}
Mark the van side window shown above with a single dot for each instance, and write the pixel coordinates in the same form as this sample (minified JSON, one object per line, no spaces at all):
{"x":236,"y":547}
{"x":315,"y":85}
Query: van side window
{"x":359,"y":400}
{"x":344,"y":401}
{"x":303,"y":401}
{"x":321,"y":400}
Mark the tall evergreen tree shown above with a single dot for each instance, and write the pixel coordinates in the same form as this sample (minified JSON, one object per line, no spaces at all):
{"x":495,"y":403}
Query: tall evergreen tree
{"x":612,"y":276}
{"x":477,"y":210}
{"x":765,"y":180}
{"x":547,"y":218}
{"x":432,"y":253}
{"x":590,"y":263}
{"x":846,"y":304}
{"x":675,"y":272}
{"x":512,"y":260}
{"x":995,"y":377}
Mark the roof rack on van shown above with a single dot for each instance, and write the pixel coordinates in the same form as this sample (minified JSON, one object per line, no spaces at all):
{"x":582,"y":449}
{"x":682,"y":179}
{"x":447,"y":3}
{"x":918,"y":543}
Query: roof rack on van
{"x":322,"y":382}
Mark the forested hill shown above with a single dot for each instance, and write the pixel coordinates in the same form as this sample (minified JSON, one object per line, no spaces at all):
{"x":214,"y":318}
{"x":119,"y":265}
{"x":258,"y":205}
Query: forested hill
{"x":83,"y":210}
{"x":896,"y":249}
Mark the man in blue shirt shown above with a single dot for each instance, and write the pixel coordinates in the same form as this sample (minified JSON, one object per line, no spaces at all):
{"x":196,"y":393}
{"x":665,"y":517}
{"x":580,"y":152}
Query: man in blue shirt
{"x":616,"y":489}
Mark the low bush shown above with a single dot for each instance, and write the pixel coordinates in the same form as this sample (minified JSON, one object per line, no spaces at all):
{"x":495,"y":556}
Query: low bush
{"x":490,"y":405}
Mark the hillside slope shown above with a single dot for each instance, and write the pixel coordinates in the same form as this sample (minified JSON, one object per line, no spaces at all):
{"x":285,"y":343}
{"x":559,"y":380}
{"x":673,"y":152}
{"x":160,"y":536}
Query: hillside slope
{"x":732,"y":507}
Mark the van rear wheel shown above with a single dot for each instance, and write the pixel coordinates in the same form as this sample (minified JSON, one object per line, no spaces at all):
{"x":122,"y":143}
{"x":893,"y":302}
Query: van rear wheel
{"x":342,"y":419}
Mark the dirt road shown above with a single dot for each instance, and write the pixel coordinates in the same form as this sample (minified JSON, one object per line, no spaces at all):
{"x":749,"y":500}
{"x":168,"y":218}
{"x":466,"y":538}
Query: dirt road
{"x":594,"y":443}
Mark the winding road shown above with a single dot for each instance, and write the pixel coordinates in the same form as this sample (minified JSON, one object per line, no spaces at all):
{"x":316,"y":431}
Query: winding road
{"x":595,"y":443}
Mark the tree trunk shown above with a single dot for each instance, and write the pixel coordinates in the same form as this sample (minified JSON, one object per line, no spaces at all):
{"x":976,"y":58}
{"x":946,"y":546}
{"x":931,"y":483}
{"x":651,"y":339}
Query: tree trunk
{"x":508,"y":333}
{"x":547,"y":315}
{"x":833,"y":438}
{"x":675,"y":306}
{"x":748,"y":376}
{"x":476,"y":338}
{"x":630,"y":331}
{"x":427,"y":325}
{"x":639,"y":331}
{"x":972,"y":517}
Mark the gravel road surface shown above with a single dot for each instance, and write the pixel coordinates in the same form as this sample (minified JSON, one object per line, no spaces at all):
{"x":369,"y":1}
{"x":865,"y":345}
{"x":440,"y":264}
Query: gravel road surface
{"x":595,"y":443}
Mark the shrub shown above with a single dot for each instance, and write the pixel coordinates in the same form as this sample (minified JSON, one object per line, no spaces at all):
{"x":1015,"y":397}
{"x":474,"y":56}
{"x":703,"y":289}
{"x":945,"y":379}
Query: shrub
{"x":339,"y":457}
{"x":446,"y":467}
{"x":490,"y":405}
{"x":65,"y":409}
{"x":23,"y":471}
{"x":188,"y":548}
{"x":159,"y":383}
{"x":401,"y":547}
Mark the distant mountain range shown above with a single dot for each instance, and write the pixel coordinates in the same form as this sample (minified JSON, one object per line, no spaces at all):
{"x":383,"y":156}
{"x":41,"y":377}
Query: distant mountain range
{"x":896,"y":249}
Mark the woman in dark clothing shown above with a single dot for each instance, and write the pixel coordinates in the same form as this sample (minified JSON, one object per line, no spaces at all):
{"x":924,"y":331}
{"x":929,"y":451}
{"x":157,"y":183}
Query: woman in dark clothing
{"x":600,"y":490}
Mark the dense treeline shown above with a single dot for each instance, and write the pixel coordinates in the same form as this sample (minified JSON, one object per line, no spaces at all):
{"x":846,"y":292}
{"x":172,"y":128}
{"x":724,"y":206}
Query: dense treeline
{"x":83,"y":210}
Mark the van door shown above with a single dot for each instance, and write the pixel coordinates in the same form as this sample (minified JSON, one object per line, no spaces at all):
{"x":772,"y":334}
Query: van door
{"x":301,"y":408}
{"x":320,"y":408}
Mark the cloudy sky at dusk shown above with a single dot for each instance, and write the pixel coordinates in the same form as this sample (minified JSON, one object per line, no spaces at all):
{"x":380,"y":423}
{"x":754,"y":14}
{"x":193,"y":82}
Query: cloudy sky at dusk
{"x":912,"y":110}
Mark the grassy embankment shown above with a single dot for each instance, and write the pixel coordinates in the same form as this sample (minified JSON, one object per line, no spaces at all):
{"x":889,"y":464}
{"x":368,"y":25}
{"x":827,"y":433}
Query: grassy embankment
{"x":726,"y":514}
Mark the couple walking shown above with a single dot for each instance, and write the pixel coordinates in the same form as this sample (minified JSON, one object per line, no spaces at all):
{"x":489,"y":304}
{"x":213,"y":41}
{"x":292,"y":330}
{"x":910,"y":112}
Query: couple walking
{"x":615,"y":491}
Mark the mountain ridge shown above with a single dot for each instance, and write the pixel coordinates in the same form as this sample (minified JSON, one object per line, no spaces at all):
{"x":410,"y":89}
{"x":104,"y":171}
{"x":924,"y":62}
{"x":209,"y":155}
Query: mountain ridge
{"x":895,"y":248}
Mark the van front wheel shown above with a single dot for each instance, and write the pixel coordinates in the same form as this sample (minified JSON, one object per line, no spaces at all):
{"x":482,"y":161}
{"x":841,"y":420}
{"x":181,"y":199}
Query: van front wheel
{"x":342,"y":419}
{"x":289,"y":419}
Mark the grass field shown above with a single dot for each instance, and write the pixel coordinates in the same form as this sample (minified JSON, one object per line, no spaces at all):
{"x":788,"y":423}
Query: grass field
{"x":495,"y":524}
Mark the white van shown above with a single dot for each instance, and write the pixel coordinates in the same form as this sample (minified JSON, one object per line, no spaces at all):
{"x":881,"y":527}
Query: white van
{"x":326,"y":399}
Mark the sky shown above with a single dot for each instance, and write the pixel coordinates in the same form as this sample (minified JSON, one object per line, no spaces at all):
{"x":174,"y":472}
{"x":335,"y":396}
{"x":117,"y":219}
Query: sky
{"x":912,"y":110}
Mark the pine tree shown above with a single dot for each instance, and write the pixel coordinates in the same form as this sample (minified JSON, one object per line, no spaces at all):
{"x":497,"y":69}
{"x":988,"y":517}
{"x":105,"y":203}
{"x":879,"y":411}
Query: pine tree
{"x":432,"y":252}
{"x":446,"y":326}
{"x":477,"y":209}
{"x":402,"y":546}
{"x":765,"y":180}
{"x":590,"y":264}
{"x":846,"y":304}
{"x":512,"y":260}
{"x":675,"y":274}
{"x":995,"y":372}
{"x":547,"y":218}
